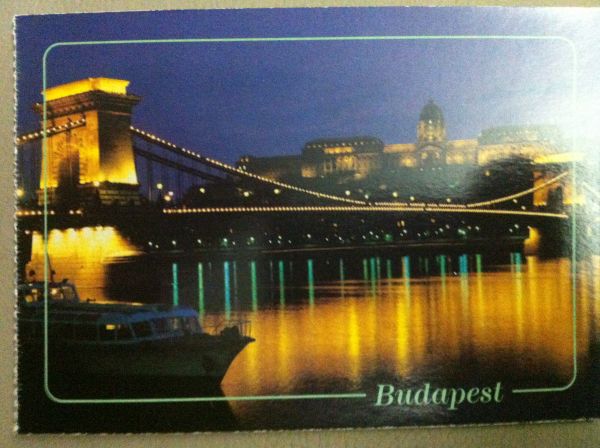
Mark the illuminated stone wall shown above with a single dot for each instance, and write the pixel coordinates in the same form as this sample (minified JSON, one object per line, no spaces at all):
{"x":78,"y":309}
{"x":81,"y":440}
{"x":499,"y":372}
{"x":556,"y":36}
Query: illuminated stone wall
{"x":117,"y":162}
{"x":96,"y":160}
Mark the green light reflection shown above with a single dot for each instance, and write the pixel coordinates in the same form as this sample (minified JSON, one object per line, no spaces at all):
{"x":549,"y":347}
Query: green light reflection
{"x":311,"y":282}
{"x":518,"y":262}
{"x":174,"y":269}
{"x":281,"y":282}
{"x":227,"y":287}
{"x":235,"y":283}
{"x":374,"y":278}
{"x":406,"y":275}
{"x":200,"y":289}
{"x":253,"y":285}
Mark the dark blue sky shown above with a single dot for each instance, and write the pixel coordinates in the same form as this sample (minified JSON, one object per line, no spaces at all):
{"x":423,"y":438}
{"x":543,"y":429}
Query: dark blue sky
{"x":228,"y":99}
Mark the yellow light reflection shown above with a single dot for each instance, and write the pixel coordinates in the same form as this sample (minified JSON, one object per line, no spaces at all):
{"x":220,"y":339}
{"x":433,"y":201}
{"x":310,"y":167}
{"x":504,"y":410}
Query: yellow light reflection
{"x":532,"y":243}
{"x":80,"y":255}
{"x":526,"y":316}
{"x":353,"y":342}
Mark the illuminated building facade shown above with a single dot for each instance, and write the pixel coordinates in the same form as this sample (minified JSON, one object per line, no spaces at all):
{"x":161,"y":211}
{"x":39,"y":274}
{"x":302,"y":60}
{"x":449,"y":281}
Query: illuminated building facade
{"x":358,"y":158}
{"x":92,"y":162}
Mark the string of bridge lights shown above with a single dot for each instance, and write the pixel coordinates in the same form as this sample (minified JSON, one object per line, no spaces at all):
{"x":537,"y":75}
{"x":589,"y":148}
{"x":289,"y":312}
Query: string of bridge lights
{"x":221,"y":165}
{"x":25,"y":212}
{"x":358,"y":205}
{"x":33,"y":136}
{"x":419,"y":204}
{"x":482,"y":203}
{"x":296,"y":209}
{"x":391,"y":204}
{"x":521,"y":193}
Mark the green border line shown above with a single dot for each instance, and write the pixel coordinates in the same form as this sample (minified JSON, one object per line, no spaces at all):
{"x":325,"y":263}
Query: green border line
{"x":574,"y":146}
{"x":52,"y":397}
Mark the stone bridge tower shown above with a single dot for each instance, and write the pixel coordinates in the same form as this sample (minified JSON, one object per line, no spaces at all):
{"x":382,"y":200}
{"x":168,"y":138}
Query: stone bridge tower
{"x":91,"y":164}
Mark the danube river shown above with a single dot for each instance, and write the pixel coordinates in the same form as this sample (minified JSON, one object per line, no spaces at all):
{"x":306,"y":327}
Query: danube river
{"x":329,"y":323}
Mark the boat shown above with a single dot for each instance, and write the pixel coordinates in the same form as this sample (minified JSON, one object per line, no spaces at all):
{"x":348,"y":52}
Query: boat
{"x":120,"y":350}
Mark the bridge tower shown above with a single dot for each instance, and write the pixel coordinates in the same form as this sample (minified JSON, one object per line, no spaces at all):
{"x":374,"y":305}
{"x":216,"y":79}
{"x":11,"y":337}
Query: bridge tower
{"x":563,"y":192}
{"x":92,"y":163}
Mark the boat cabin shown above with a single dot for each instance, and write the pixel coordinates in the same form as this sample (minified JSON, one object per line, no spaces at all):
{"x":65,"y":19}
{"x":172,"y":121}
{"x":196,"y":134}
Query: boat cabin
{"x":98,"y":323}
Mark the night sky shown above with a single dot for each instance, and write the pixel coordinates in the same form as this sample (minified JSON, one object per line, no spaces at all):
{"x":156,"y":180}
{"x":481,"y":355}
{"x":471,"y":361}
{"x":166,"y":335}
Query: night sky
{"x":268,"y":98}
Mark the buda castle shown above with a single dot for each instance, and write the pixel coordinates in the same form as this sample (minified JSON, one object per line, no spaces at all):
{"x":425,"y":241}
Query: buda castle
{"x":348,"y":159}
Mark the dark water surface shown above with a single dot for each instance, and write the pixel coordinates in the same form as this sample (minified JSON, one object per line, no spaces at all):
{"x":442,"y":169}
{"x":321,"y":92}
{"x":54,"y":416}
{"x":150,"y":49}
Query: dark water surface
{"x":338,"y":323}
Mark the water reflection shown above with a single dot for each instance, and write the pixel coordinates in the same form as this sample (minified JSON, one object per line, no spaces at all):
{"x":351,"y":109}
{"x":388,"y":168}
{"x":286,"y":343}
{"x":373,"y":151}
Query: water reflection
{"x":82,"y":256}
{"x":417,"y":327}
{"x":327,"y":324}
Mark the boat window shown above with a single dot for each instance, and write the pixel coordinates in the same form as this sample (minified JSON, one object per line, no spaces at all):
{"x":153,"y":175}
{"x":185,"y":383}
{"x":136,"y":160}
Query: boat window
{"x":63,"y":292}
{"x":191,"y":325}
{"x":175,"y":323}
{"x":160,"y":325}
{"x":142,"y":329}
{"x":31,"y":295}
{"x":109,"y":332}
{"x":56,"y":294}
{"x":124,"y":332}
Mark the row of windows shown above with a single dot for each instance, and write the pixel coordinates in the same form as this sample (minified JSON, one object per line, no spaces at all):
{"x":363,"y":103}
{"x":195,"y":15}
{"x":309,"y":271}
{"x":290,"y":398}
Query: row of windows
{"x":88,"y":331}
{"x":332,"y":145}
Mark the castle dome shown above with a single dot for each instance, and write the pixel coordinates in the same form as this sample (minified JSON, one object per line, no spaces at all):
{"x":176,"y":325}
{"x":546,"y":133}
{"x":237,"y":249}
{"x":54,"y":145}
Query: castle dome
{"x":431,"y":112}
{"x":431,"y":134}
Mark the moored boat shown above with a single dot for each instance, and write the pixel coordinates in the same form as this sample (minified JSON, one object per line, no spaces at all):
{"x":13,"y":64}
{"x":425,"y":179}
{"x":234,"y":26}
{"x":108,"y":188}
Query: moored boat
{"x":120,"y":350}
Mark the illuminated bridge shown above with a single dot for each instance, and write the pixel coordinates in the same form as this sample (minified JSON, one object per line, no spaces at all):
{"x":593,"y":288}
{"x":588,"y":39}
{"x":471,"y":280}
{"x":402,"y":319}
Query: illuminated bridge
{"x":183,"y":161}
{"x":102,"y":170}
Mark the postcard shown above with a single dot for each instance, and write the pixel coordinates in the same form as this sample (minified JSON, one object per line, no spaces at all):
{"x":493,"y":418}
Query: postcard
{"x":307,"y":218}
